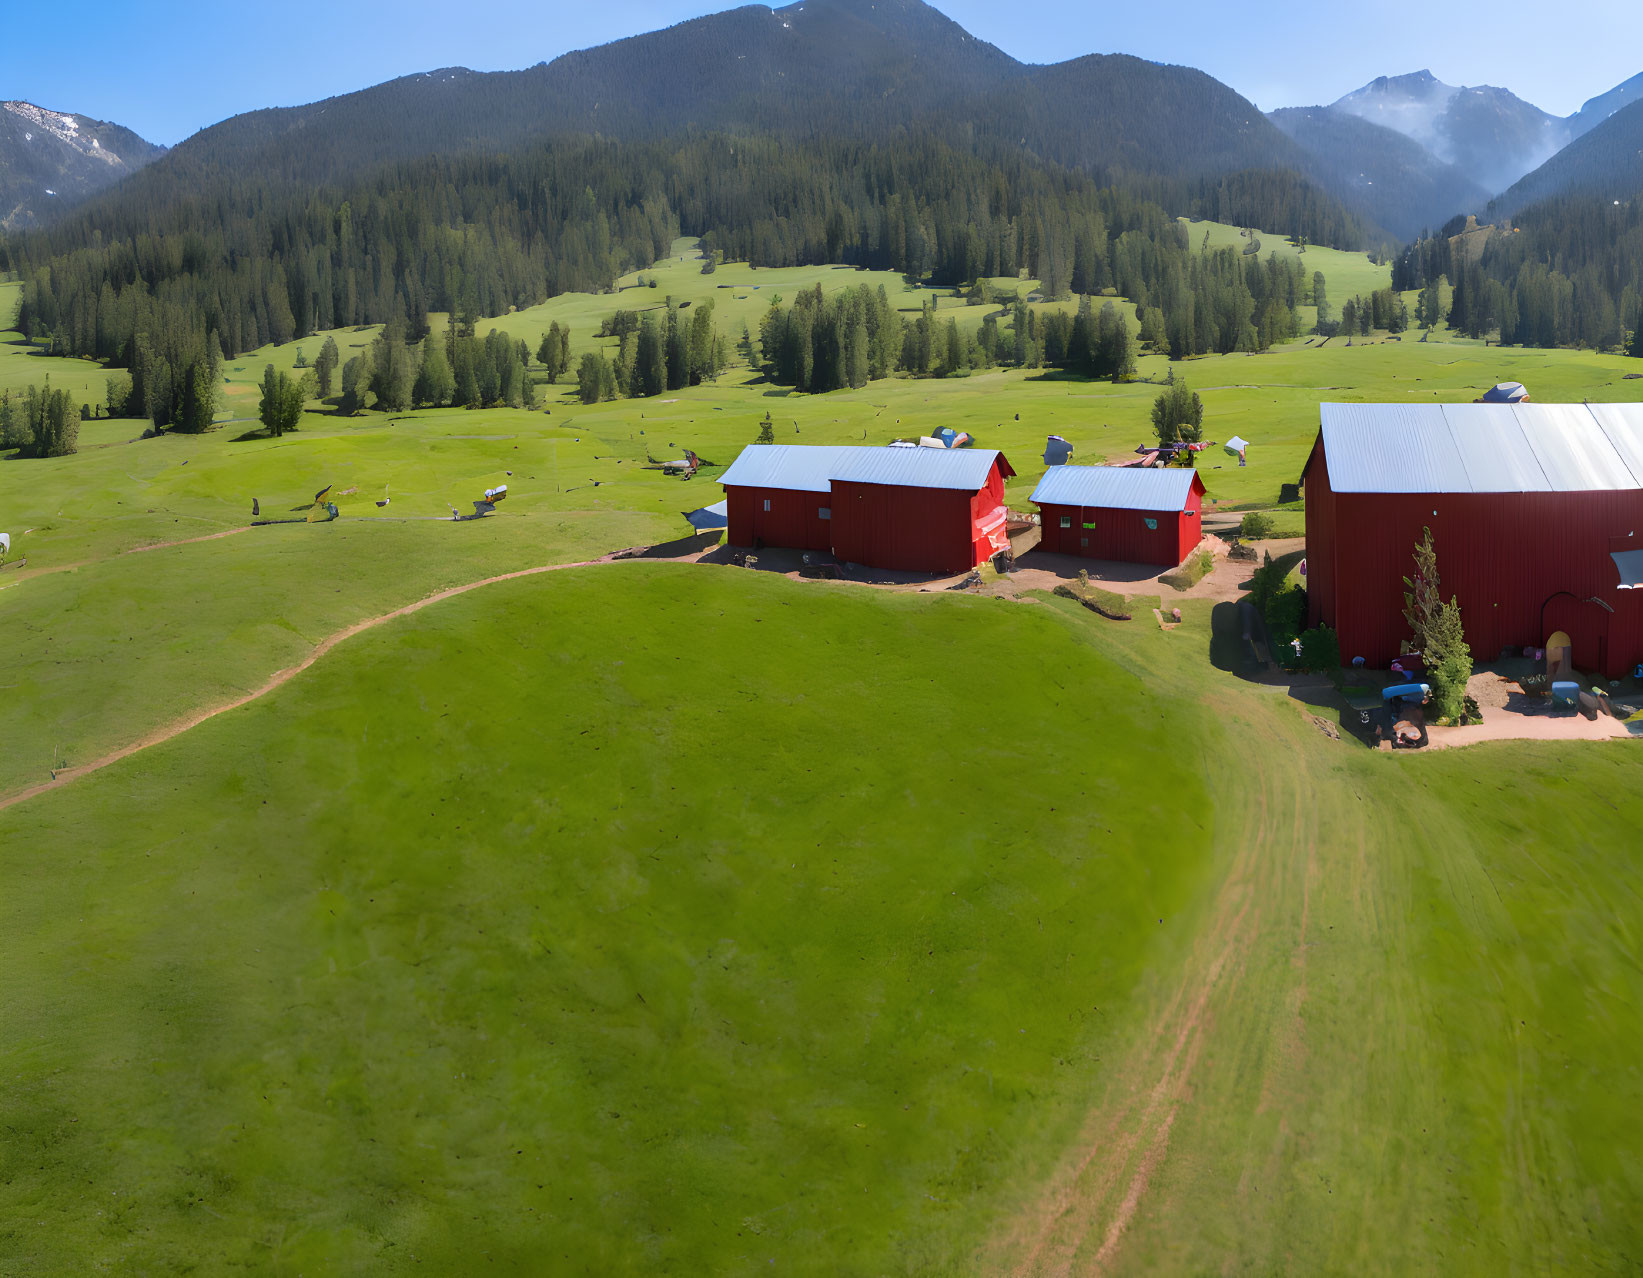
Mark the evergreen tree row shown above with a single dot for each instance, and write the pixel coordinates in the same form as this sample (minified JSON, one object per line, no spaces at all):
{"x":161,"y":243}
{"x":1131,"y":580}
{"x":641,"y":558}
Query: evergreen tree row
{"x":40,"y":422}
{"x":1570,"y":273}
{"x":652,"y":355}
{"x":151,"y":284}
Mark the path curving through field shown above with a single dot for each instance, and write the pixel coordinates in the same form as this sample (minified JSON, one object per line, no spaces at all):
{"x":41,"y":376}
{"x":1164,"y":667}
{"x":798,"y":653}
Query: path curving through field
{"x":1079,"y":1220}
{"x":179,"y":726}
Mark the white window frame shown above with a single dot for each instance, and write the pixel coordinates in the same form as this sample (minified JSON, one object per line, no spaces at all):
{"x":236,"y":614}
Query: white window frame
{"x":824,"y":512}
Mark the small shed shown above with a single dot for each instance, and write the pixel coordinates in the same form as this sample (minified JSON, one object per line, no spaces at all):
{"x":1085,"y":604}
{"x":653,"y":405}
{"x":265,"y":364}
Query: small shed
{"x":1129,"y":514}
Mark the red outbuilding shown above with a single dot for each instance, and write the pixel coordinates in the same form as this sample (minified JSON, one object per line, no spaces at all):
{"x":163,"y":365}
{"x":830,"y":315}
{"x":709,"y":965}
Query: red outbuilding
{"x":1536,"y":512}
{"x":913,"y":509}
{"x":1130,"y":514}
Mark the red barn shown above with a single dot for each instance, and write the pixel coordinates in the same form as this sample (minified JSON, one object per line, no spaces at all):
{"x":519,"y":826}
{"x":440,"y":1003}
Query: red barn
{"x":913,"y":509}
{"x":1131,"y":514}
{"x":1535,"y":511}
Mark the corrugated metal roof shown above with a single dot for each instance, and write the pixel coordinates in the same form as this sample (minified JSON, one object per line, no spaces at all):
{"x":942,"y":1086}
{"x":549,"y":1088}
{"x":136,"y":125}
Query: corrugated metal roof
{"x":1573,"y":449}
{"x":1115,"y":487}
{"x":964,"y":468}
{"x":812,"y":468}
{"x":1392,"y":448}
{"x":1494,"y":450}
{"x":1483,"y":448}
{"x":1623,"y":424}
{"x":804,"y":468}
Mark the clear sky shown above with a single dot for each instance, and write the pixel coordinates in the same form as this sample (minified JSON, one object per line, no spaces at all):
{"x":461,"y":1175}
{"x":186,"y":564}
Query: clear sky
{"x":170,"y":67}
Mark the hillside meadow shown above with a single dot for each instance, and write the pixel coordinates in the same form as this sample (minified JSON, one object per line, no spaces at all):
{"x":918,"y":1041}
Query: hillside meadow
{"x":109,"y":645}
{"x":552,"y":927}
{"x":670,"y":918}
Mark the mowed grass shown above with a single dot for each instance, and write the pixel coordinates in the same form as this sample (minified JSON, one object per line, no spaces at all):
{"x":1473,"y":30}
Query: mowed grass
{"x":630,"y":919}
{"x":645,"y":919}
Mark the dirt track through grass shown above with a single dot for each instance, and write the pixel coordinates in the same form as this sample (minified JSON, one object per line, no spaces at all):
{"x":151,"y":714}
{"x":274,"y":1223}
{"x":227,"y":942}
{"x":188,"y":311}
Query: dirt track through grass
{"x":179,"y":726}
{"x":1080,"y":1221}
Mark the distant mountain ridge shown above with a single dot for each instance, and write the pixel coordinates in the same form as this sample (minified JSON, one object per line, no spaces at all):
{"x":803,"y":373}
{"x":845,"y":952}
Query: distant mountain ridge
{"x":52,"y":159}
{"x":1490,"y":134}
{"x":870,"y":69}
{"x":1606,"y":162}
{"x":1398,"y":182}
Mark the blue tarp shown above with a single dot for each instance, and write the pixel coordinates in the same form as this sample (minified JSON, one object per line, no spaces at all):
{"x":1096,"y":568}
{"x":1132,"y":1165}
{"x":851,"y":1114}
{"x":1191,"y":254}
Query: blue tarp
{"x":710,"y":518}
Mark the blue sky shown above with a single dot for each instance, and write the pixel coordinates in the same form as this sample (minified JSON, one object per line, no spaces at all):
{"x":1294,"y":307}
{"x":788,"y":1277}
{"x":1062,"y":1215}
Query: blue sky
{"x":170,"y":67}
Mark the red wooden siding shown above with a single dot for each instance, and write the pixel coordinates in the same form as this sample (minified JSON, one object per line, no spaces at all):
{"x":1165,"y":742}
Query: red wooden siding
{"x":891,"y":526}
{"x":793,"y":519}
{"x":1123,"y":536}
{"x":1521,"y":565}
{"x":905,"y":529}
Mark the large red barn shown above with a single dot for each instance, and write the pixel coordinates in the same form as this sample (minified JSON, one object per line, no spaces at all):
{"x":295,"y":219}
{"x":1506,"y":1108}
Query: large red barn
{"x":1535,"y":511}
{"x":913,"y":509}
{"x":1131,"y":514}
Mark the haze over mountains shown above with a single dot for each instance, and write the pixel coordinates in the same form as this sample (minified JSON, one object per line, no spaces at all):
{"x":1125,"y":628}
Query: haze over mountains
{"x":1403,"y":153}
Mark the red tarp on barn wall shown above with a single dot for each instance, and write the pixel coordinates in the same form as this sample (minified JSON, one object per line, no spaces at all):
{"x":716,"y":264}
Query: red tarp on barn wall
{"x":1521,"y":565}
{"x":1123,"y":535}
{"x":793,"y":519}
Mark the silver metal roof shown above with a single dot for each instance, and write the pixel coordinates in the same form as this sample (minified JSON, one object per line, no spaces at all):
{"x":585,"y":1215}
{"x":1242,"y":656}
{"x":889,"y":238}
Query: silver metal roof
{"x":1117,"y":487}
{"x":1483,"y":448}
{"x":813,"y":468}
{"x":805,"y":468}
{"x":964,"y":468}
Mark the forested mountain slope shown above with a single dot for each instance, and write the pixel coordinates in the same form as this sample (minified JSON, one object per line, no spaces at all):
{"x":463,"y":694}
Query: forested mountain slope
{"x":1606,"y":162}
{"x":1398,"y":182}
{"x":870,"y":69}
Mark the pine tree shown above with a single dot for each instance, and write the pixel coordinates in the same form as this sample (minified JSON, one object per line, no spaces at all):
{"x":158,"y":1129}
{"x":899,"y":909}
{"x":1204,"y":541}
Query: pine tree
{"x":325,"y":366}
{"x":1178,"y":415}
{"x":1437,"y":630}
{"x":435,"y":384}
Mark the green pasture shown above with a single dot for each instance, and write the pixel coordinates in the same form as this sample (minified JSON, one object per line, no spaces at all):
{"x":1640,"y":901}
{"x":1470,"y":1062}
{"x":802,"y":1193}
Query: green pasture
{"x":90,"y":669}
{"x":23,"y":365}
{"x":669,"y":919}
{"x":1346,"y":274}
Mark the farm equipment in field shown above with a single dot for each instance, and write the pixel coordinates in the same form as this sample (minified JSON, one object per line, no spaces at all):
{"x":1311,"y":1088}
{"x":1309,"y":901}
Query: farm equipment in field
{"x":687,"y":465}
{"x":485,"y":505}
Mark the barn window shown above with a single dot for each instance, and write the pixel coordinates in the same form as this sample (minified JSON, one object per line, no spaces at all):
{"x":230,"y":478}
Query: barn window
{"x":767,"y":503}
{"x":1152,"y":524}
{"x":824,"y":512}
{"x":1091,"y":527}
{"x":1084,"y":542}
{"x":1066,"y":521}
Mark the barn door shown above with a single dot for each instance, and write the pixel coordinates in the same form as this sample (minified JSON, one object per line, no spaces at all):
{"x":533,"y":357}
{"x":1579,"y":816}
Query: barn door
{"x":1587,"y":626}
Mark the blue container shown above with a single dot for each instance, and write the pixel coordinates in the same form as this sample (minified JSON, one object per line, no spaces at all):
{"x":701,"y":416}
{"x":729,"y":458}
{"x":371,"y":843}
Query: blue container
{"x":1566,"y":693}
{"x":1413,"y":691}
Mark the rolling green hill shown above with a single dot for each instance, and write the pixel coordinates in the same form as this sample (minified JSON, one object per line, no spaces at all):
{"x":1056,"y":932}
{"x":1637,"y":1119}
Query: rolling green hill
{"x":552,"y":926}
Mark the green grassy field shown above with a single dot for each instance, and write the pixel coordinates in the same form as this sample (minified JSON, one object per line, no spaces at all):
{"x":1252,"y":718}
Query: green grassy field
{"x":493,"y":940}
{"x":22,"y":365}
{"x":1347,"y":274}
{"x":650,"y":918}
{"x":99,"y":653}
